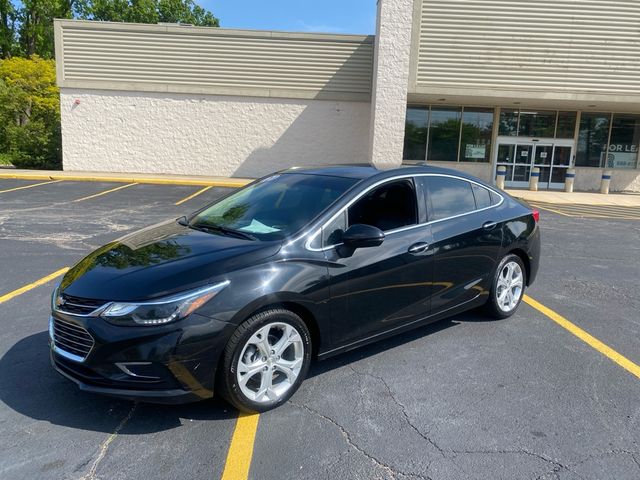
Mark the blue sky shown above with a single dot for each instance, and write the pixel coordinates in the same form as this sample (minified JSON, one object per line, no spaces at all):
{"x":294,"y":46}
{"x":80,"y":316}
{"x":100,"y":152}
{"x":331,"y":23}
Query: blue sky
{"x":332,"y":16}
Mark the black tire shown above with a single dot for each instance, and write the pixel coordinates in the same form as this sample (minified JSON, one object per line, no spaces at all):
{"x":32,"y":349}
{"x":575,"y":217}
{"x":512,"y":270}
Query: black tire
{"x":492,"y":306}
{"x":228,"y":385}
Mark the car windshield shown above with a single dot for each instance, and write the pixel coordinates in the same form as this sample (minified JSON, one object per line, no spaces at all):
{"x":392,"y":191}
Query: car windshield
{"x":274,"y":208}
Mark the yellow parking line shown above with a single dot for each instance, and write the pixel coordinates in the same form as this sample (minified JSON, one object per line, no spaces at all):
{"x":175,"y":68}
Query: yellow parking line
{"x":241,"y":448}
{"x":105,"y":192}
{"x":186,"y":199}
{"x":29,"y":186}
{"x":590,"y":340}
{"x":549,"y":209}
{"x":31,"y":286}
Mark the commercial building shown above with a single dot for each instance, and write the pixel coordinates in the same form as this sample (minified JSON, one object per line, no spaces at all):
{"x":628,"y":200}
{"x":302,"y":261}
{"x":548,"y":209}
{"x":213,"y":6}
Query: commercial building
{"x":468,"y":84}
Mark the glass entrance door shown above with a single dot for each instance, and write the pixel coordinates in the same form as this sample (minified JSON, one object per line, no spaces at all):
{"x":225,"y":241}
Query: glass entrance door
{"x":553,"y":157}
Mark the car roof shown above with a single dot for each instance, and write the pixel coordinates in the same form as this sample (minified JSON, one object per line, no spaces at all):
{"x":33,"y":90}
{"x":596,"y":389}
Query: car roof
{"x":365,"y":171}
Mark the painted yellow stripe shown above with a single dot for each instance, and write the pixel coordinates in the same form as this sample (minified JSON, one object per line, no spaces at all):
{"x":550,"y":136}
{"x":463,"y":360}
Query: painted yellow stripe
{"x":29,"y":186}
{"x":105,"y":192}
{"x":31,"y":286}
{"x":590,"y":340}
{"x":241,"y":448}
{"x":214,"y":182}
{"x":586,"y":211}
{"x":548,"y":209}
{"x":193,"y":195}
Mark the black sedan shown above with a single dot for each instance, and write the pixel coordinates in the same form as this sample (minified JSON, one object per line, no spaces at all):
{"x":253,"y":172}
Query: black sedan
{"x":240,"y":296}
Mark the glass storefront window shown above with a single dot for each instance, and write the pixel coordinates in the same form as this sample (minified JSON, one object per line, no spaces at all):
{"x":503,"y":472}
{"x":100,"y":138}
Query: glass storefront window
{"x":566,"y":125}
{"x":508,"y":122}
{"x":477,"y":126}
{"x":415,"y":134}
{"x":623,"y":142}
{"x":537,"y":124}
{"x":444,"y":134}
{"x":592,"y":139}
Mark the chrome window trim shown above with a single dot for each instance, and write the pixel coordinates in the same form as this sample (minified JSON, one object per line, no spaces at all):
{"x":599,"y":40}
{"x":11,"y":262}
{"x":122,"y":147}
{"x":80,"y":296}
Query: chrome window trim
{"x":318,"y":231}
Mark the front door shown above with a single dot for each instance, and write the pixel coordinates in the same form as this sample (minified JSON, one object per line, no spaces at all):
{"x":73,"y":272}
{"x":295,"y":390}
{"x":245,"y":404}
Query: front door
{"x":377,"y":289}
{"x":519,"y":156}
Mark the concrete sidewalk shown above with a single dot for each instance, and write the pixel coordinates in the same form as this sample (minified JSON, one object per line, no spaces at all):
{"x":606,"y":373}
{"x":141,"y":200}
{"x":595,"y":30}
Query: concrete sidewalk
{"x":577,"y":198}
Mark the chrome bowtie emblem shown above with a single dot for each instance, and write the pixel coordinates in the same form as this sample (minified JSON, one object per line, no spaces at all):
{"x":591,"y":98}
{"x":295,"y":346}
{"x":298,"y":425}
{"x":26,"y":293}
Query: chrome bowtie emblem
{"x":59,"y":301}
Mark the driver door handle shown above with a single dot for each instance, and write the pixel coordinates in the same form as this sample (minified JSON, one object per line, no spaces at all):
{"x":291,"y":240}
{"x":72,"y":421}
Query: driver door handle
{"x":489,"y":225}
{"x":418,"y":247}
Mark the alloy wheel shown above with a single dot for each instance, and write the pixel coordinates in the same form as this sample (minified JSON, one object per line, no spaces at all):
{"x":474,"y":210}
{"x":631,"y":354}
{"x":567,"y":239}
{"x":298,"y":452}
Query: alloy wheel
{"x":270,"y":362}
{"x":509,"y":286}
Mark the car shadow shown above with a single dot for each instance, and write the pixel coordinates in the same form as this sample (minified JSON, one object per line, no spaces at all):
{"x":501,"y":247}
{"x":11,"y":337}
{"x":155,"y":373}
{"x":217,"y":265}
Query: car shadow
{"x":30,"y":386}
{"x":361,"y":353}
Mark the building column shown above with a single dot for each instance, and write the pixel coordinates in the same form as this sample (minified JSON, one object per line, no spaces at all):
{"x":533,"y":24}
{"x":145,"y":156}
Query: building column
{"x":390,"y":82}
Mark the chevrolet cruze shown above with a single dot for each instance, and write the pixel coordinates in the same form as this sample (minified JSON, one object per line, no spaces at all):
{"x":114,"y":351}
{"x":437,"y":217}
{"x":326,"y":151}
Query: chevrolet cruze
{"x":240,"y":297}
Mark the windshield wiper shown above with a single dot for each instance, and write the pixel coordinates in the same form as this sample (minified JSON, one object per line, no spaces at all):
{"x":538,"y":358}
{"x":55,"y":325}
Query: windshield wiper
{"x":210,"y":227}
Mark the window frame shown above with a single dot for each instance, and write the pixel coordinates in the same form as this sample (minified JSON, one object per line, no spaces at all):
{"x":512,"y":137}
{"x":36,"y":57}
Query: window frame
{"x":409,"y":181}
{"x":422,"y":204}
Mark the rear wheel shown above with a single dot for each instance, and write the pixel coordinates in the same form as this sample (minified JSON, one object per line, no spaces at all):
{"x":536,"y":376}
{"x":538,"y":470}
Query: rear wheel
{"x":265,"y":361}
{"x":507,"y":288}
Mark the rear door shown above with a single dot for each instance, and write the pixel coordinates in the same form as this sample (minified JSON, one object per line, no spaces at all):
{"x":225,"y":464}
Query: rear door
{"x":467,"y":238}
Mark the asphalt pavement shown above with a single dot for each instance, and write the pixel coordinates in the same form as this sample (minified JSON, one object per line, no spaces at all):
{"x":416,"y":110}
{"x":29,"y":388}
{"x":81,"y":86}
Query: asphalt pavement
{"x":469,"y":397}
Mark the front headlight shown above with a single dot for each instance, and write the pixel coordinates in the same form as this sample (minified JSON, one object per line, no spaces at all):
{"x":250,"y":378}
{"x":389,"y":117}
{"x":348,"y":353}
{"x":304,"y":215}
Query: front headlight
{"x":161,"y":311}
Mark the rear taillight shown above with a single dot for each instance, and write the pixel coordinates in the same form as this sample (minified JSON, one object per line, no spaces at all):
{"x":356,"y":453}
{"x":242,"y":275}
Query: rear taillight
{"x":536,"y":215}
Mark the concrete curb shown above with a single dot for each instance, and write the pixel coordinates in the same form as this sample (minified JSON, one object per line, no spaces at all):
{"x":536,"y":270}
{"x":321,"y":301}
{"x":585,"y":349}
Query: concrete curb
{"x":125,"y":178}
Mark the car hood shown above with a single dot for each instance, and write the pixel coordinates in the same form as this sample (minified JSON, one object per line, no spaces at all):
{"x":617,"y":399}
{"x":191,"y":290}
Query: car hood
{"x":161,"y":260}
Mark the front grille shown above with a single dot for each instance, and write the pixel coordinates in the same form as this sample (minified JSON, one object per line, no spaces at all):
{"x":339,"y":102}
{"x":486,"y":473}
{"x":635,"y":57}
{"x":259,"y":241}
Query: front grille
{"x":72,"y":338}
{"x":79,"y":306}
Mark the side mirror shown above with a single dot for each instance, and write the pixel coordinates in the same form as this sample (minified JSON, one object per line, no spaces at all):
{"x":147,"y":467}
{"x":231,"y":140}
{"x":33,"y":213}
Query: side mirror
{"x":362,"y":236}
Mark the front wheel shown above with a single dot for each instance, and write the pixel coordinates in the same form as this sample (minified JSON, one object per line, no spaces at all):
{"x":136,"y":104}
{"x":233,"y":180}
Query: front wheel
{"x":265,"y":361}
{"x":507,"y":288}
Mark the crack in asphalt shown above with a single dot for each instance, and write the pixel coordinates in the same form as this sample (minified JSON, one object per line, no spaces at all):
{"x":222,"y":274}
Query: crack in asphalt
{"x":450,"y":454}
{"x":104,"y":446}
{"x":394,"y":473}
{"x":423,"y":435}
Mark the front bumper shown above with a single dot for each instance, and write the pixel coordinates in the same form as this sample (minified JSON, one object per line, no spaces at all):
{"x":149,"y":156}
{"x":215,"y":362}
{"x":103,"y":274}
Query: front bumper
{"x":174,"y":363}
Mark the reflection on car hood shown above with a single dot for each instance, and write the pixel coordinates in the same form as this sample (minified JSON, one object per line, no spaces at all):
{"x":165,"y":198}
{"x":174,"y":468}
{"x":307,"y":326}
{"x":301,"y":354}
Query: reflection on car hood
{"x":161,"y":260}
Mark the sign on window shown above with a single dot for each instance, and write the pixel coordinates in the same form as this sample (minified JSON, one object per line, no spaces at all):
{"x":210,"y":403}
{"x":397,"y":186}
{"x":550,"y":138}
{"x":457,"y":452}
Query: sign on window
{"x":474,"y":151}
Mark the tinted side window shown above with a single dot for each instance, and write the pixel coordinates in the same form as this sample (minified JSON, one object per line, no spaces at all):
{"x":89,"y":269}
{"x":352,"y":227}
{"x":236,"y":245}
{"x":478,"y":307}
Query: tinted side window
{"x":495,"y":199}
{"x":390,"y":206}
{"x":449,"y":197}
{"x":482,"y":195}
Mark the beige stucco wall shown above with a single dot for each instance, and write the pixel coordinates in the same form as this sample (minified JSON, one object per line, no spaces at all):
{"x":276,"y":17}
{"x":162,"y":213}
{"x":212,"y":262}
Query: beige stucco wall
{"x":390,"y":82}
{"x":147,"y":132}
{"x":588,"y":180}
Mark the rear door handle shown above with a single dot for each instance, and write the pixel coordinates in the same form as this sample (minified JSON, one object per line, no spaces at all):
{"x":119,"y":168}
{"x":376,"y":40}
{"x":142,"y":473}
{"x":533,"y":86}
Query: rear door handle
{"x":489,"y":225}
{"x":418,"y":247}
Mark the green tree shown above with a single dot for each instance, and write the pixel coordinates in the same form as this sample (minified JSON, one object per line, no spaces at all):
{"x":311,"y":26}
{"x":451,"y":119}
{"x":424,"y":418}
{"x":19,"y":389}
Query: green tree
{"x":8,"y":18}
{"x":146,"y":11}
{"x":36,"y":25}
{"x":29,"y":113}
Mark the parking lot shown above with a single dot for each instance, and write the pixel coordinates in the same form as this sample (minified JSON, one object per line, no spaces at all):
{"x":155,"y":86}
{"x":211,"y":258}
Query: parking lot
{"x":524,"y":398}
